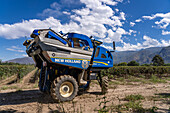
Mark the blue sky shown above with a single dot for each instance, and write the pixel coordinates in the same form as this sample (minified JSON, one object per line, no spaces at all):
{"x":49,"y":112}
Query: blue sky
{"x":133,"y":24}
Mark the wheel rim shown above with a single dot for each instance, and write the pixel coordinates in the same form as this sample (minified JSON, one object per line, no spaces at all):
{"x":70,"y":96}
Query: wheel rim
{"x":66,"y":89}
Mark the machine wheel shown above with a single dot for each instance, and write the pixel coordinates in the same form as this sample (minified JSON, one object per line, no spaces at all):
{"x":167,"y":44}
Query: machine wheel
{"x":41,"y":80}
{"x":104,"y":85}
{"x":64,"y":88}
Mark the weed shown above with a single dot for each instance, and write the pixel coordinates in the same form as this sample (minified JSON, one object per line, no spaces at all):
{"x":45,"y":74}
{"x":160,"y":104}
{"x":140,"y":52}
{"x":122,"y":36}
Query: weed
{"x":8,"y":87}
{"x":155,"y":79}
{"x":4,"y":88}
{"x":163,"y":95}
{"x":35,"y":85}
{"x":114,"y":83}
{"x":133,"y":79}
{"x":141,"y":76}
{"x":134,"y":97}
{"x":104,"y":109}
{"x":168,"y":79}
{"x":121,"y":79}
{"x":133,"y":106}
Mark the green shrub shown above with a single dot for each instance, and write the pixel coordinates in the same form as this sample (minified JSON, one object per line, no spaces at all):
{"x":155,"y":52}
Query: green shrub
{"x":122,"y":64}
{"x":133,"y":63}
{"x":9,"y":70}
{"x":147,"y":71}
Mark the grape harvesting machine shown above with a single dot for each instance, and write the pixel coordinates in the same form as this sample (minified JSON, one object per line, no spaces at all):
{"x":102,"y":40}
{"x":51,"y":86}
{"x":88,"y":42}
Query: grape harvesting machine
{"x":68,"y":62}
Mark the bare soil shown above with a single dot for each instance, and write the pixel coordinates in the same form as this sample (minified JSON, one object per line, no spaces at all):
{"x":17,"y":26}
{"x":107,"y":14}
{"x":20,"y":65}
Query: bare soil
{"x":26,"y":98}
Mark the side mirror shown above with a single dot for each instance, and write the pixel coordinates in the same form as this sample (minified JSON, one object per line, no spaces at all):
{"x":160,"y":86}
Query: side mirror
{"x":114,"y":48}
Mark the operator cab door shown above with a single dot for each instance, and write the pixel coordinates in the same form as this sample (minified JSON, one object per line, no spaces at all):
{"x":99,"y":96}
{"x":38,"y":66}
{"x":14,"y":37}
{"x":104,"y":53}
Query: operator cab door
{"x":103,"y":58}
{"x":79,"y":44}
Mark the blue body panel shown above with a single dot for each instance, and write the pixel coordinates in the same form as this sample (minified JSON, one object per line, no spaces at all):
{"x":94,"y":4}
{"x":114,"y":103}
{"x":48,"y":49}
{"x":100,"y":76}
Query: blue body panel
{"x":36,"y":32}
{"x":84,"y":63}
{"x":107,"y":61}
{"x":77,"y":63}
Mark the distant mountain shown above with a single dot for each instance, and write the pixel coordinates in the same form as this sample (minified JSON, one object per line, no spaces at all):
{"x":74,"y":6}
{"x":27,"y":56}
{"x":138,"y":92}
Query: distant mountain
{"x":165,"y":54}
{"x":24,"y":60}
{"x":143,"y":56}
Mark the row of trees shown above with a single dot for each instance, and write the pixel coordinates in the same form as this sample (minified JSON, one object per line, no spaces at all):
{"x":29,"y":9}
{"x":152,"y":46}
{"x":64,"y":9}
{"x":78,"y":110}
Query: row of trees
{"x":156,"y":61}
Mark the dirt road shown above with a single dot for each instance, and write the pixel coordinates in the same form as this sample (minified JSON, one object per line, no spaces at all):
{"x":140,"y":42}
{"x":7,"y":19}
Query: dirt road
{"x":31,"y":100}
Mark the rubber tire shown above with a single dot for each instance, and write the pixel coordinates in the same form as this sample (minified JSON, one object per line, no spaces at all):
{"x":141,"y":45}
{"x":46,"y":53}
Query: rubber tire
{"x":104,"y":87}
{"x":55,"y":86}
{"x":42,"y":79}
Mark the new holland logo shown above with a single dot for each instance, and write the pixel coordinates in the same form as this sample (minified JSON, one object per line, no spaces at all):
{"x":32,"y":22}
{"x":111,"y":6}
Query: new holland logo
{"x":84,"y":64}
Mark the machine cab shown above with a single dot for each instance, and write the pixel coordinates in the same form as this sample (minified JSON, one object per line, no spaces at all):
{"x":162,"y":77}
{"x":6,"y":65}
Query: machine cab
{"x":79,"y":41}
{"x":103,"y":58}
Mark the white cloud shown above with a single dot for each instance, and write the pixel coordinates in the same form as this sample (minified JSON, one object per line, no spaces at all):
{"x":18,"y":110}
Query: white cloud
{"x":149,"y":42}
{"x":16,"y":49}
{"x":24,"y":55}
{"x":67,"y":13}
{"x":165,"y":43}
{"x":148,"y":17}
{"x":165,"y":32}
{"x":131,"y":31}
{"x":90,"y":20}
{"x":117,"y":10}
{"x":119,"y":0}
{"x":138,"y":20}
{"x":109,"y":2}
{"x":164,"y":22}
{"x":114,"y":36}
{"x":25,"y":28}
{"x":132,"y":24}
{"x":122,"y":15}
{"x":83,"y":12}
{"x":107,"y":47}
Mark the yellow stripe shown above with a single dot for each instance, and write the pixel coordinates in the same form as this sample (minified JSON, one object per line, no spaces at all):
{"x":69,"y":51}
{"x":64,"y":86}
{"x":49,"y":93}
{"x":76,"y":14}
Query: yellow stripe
{"x":80,"y":59}
{"x":101,"y":62}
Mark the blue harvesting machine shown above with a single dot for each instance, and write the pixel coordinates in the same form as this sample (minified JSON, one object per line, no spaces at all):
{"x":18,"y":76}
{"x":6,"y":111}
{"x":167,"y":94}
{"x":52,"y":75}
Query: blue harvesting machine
{"x":68,"y":62}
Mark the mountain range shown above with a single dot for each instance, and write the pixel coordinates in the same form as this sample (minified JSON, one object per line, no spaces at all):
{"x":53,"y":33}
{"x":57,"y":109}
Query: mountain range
{"x":24,"y":60}
{"x":143,"y":56}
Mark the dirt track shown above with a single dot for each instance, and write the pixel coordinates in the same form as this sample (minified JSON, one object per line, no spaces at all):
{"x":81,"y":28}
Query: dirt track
{"x":31,"y":100}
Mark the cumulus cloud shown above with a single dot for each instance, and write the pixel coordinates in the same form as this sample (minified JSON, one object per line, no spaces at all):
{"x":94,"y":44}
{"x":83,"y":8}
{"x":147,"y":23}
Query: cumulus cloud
{"x":164,"y":21}
{"x":165,"y":32}
{"x":18,"y":30}
{"x":114,"y":36}
{"x":149,"y":42}
{"x":90,"y":20}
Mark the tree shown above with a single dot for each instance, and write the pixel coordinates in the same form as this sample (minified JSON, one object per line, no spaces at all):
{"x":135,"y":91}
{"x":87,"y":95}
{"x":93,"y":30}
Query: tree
{"x":145,"y":64}
{"x":133,"y":63}
{"x":122,"y":64}
{"x":157,"y":60}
